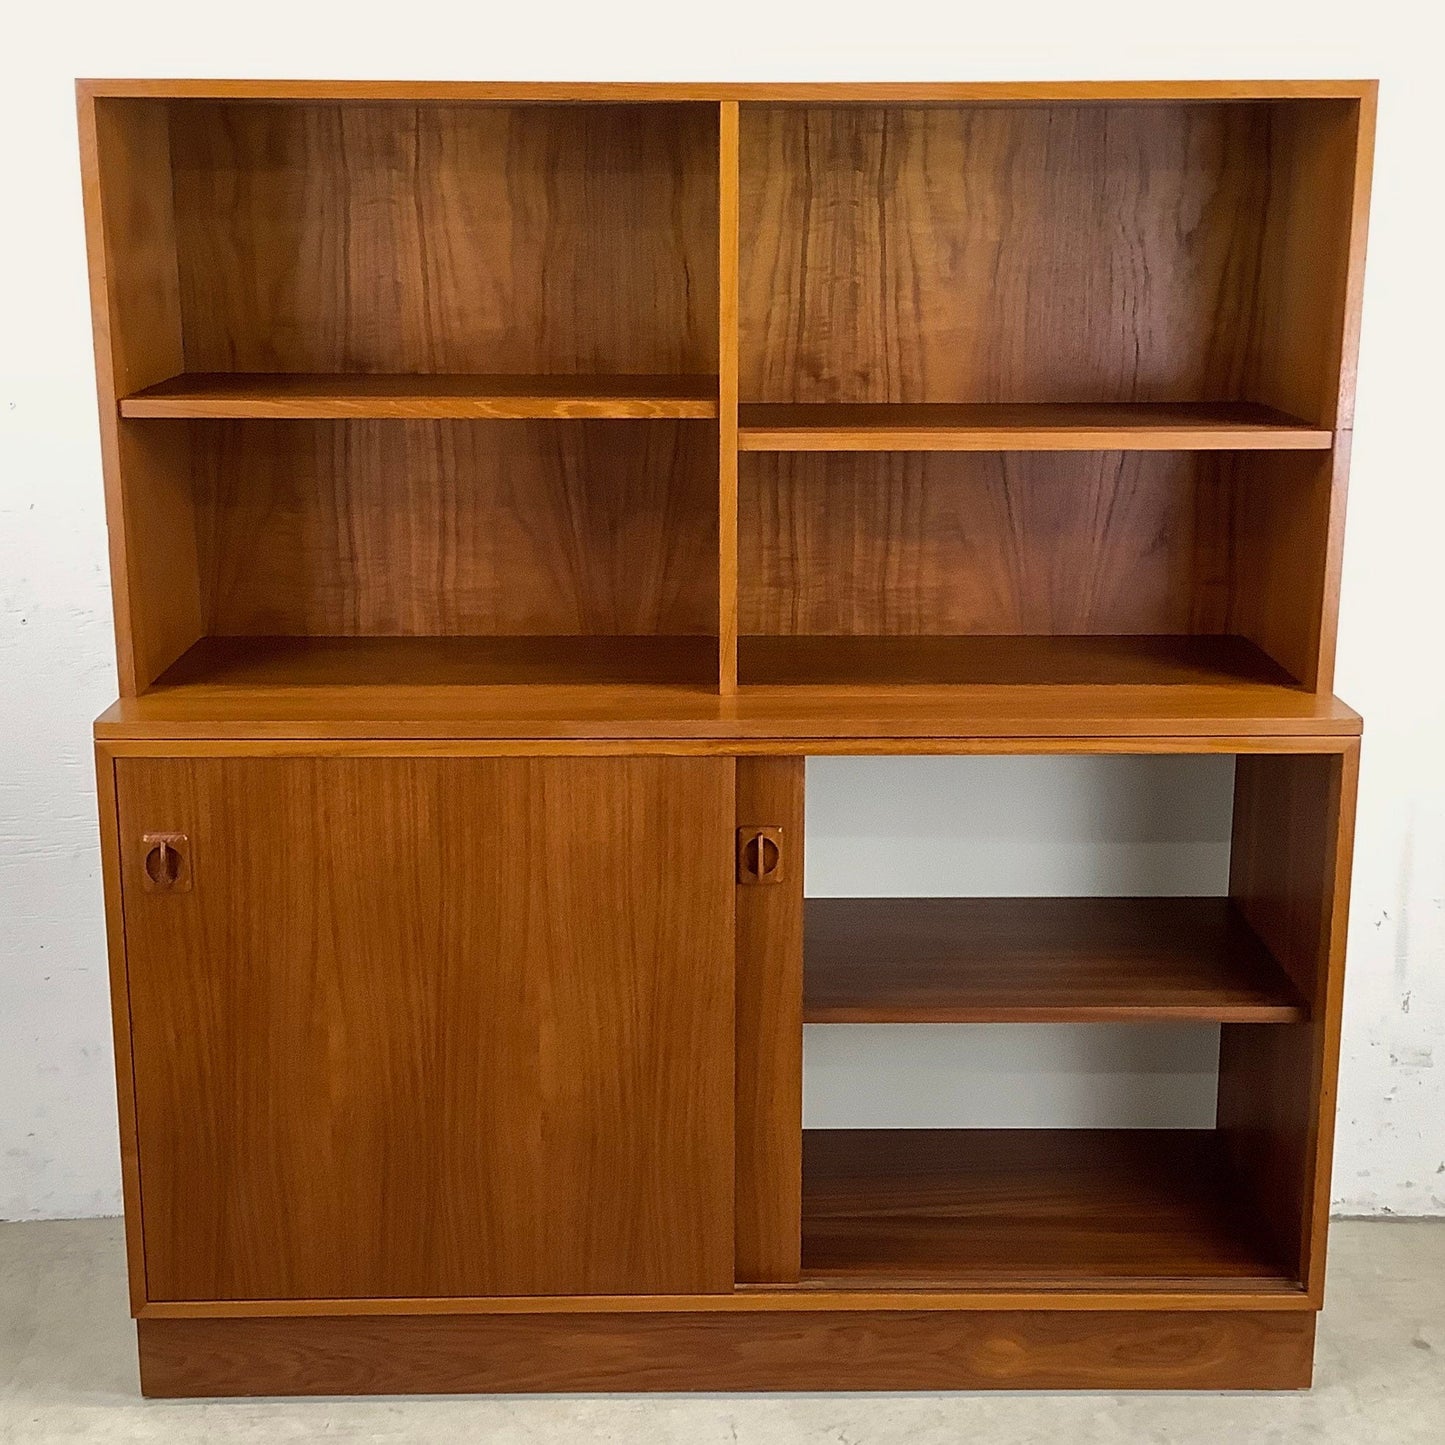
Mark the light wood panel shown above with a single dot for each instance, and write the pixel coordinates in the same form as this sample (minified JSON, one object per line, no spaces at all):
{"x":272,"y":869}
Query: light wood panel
{"x":728,"y":263}
{"x":818,"y":1350}
{"x":995,"y":543}
{"x":364,"y":238}
{"x":319,"y":396}
{"x":1289,"y":874}
{"x":414,"y":528}
{"x":1038,"y":960}
{"x":668,"y":91}
{"x":433,"y":1026}
{"x":769,"y":1107}
{"x":381,"y":688}
{"x":1010,"y":1207}
{"x":1056,"y":426}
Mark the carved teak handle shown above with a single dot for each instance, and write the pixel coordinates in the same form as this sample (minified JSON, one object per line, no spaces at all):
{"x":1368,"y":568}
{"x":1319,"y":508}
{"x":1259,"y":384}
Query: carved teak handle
{"x":760,"y":855}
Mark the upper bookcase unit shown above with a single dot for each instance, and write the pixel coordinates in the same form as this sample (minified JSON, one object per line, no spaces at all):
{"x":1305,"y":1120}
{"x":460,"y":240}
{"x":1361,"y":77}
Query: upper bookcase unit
{"x":1015,"y":268}
{"x":340,"y":259}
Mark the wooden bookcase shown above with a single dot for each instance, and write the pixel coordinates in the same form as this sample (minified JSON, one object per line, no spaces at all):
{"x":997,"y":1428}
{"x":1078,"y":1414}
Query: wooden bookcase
{"x":509,"y":486}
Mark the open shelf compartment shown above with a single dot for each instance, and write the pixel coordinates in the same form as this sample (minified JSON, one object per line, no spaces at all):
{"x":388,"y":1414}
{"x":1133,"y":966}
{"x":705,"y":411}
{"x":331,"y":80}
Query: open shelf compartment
{"x":1027,"y":1209}
{"x":1038,"y":960}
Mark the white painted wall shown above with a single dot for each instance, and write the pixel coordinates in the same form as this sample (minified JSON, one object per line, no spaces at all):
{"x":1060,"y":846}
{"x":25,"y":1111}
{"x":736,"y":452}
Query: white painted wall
{"x":57,"y":1151}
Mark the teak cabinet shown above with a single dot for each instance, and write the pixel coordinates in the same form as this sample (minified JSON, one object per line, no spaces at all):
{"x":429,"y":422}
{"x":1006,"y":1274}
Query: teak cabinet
{"x":509,"y":487}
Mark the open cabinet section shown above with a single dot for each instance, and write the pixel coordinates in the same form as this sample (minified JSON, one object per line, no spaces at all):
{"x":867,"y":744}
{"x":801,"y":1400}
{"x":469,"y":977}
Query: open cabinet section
{"x":312,"y":554}
{"x":345,"y":239}
{"x":1168,"y":252}
{"x":1028,"y":1209}
{"x":1037,"y":960}
{"x":1112,"y":567}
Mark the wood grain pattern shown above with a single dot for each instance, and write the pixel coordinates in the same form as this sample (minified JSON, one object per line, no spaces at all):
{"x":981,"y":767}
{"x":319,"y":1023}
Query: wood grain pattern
{"x":769,"y":1108}
{"x":1037,"y":960}
{"x":899,"y":255}
{"x":1289,"y":874}
{"x":1084,"y":253}
{"x":391,"y":1044}
{"x":320,"y":396}
{"x":1020,"y":1207}
{"x":453,"y":528}
{"x":573,"y":239}
{"x":997,"y":543}
{"x":823,"y":1350}
{"x":1056,"y":426}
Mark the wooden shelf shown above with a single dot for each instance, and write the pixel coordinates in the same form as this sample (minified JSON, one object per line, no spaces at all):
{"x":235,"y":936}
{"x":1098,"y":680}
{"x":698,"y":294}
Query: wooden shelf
{"x":405,"y":663}
{"x":639,"y":687}
{"x":1038,"y":960}
{"x":864,"y":662}
{"x":318,"y":396}
{"x":1045,"y":426}
{"x":1025,"y":1208}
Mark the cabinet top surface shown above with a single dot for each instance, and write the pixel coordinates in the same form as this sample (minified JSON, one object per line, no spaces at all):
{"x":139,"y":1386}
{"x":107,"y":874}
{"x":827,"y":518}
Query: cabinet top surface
{"x":565,"y":91}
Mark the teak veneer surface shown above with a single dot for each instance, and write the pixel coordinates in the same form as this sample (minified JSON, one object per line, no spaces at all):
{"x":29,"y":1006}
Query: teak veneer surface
{"x":1058,"y":426}
{"x":819,"y":1350}
{"x":320,"y":395}
{"x":388,"y":1044}
{"x":1035,"y":960}
{"x":1019,"y":1207}
{"x":520,"y":240}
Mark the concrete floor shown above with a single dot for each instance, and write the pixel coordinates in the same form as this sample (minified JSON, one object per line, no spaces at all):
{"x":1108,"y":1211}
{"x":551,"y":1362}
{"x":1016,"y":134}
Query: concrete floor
{"x":67,"y":1372}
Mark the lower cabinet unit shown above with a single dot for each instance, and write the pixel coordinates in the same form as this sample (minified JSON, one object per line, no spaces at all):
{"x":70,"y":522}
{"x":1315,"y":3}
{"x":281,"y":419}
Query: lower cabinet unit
{"x":449,"y":1068}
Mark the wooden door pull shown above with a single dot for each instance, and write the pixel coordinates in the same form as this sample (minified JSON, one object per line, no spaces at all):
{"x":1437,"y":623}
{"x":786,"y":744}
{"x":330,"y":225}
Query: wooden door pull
{"x":760,"y":855}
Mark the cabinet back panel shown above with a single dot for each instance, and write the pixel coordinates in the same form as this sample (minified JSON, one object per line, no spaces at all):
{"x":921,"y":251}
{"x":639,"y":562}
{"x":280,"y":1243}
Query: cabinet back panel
{"x":415,"y":528}
{"x":984,"y":542}
{"x":1028,"y":253}
{"x":376,"y":238}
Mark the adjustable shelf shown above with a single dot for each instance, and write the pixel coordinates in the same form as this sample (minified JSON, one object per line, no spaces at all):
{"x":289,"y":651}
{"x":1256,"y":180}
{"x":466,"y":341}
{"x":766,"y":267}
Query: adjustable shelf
{"x":340,"y":396}
{"x":1049,"y":426}
{"x":1140,"y":1209}
{"x":1039,"y":960}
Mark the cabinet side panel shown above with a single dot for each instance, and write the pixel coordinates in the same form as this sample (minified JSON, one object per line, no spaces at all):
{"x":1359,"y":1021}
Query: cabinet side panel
{"x":433,"y":1026}
{"x":1312,"y":258}
{"x":1289,"y":510}
{"x":1289,"y":875}
{"x":135,"y":313}
{"x":110,"y":867}
{"x":770,"y":1031}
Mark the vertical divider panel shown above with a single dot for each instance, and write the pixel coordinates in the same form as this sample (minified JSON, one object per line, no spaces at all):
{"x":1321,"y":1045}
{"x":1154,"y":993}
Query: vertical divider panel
{"x":727,"y":411}
{"x":768,"y":1107}
{"x":1289,"y":875}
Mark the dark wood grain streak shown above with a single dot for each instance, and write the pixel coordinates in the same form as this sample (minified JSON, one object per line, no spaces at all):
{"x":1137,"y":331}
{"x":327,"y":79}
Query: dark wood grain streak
{"x":1000,"y":960}
{"x":922,"y":1350}
{"x":431,"y":1026}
